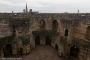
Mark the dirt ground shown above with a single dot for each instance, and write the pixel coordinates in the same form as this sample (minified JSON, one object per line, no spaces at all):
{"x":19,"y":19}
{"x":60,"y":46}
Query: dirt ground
{"x":43,"y":53}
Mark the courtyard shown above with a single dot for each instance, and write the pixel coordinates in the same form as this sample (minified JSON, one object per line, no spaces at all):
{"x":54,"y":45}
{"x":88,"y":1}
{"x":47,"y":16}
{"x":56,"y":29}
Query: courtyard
{"x":43,"y":53}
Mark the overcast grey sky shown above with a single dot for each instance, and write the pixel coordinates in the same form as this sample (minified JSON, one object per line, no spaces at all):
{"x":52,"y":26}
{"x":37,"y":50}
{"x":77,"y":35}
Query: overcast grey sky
{"x":46,"y":5}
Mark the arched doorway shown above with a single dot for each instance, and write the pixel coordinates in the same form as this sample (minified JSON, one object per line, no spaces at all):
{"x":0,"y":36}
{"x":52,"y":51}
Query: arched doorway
{"x":48,"y":40}
{"x":42,"y":24}
{"x":37,"y":40}
{"x":55,"y":25}
{"x":8,"y":50}
{"x":74,"y":51}
{"x":56,"y":47}
{"x":66,"y":32}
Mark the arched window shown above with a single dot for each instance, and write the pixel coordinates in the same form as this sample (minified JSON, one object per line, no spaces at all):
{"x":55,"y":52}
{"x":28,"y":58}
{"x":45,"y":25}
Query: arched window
{"x":55,"y":25}
{"x":66,"y":32}
{"x":88,"y":32}
{"x":42,"y":24}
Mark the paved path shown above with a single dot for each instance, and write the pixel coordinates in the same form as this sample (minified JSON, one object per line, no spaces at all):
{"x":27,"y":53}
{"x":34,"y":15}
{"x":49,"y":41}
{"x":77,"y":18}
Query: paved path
{"x":43,"y":53}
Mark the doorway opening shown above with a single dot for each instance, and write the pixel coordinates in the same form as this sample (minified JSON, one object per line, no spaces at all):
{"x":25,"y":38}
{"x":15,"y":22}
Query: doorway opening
{"x":8,"y":50}
{"x":66,"y":32}
{"x":56,"y":47}
{"x":74,"y":51}
{"x":37,"y":40}
{"x":48,"y":40}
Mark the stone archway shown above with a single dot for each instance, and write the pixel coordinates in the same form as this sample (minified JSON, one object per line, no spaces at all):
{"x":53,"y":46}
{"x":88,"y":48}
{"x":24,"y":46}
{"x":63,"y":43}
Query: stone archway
{"x":56,"y":47}
{"x":8,"y":50}
{"x":74,"y":51}
{"x":48,"y":40}
{"x":37,"y":40}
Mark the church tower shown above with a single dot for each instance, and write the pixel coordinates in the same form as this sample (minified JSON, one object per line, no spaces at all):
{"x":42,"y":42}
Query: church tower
{"x":26,"y":8}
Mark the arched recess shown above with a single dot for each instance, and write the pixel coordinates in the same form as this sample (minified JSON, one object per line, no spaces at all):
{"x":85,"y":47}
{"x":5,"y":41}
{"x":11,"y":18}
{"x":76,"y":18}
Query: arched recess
{"x":8,"y":50}
{"x":55,"y":25}
{"x":74,"y":51}
{"x":42,"y":24}
{"x":37,"y":40}
{"x":48,"y":40}
{"x":56,"y":47}
{"x":88,"y":32}
{"x":66,"y":32}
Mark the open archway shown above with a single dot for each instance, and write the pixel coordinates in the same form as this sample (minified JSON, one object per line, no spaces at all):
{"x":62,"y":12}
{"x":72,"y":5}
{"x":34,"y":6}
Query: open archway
{"x":37,"y":40}
{"x":48,"y":40}
{"x":55,"y":25}
{"x":56,"y":47}
{"x":66,"y":32}
{"x":74,"y":51}
{"x":8,"y":50}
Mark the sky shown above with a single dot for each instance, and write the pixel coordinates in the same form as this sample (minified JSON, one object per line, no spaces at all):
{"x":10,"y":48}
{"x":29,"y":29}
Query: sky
{"x":46,"y":6}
